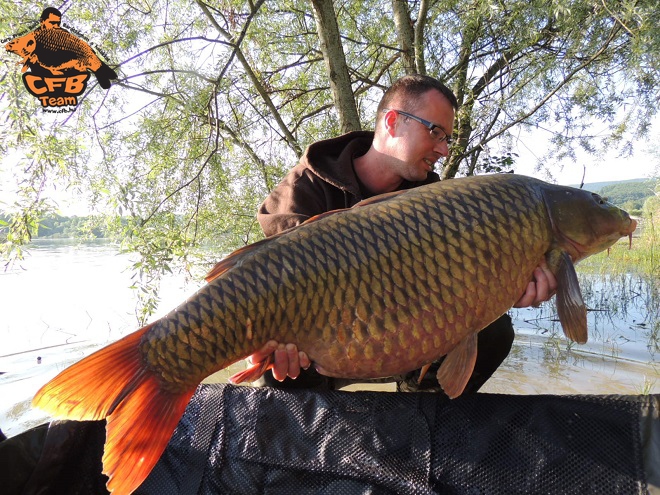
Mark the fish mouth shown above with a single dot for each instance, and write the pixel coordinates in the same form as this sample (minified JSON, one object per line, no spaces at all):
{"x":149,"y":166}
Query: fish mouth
{"x":630,"y":229}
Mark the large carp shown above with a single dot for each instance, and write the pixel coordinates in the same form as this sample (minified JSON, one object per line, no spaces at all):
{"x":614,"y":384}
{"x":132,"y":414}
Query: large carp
{"x":376,"y":290}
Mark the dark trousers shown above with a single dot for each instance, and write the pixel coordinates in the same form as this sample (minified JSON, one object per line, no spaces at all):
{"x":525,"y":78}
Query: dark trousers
{"x":494,"y":344}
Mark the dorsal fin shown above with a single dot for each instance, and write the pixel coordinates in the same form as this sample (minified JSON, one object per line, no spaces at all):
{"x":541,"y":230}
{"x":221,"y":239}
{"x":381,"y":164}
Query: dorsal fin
{"x":235,"y":257}
{"x":232,"y":259}
{"x":318,"y":217}
{"x":364,"y":202}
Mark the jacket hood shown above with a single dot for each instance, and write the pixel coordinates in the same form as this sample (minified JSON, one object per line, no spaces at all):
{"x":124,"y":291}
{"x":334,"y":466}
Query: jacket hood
{"x":332,"y":159}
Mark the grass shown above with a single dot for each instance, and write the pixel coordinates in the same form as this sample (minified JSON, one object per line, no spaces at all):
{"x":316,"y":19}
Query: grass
{"x":646,"y":387}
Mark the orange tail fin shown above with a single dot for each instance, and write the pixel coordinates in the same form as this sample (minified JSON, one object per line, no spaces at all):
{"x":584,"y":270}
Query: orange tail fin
{"x":115,"y":384}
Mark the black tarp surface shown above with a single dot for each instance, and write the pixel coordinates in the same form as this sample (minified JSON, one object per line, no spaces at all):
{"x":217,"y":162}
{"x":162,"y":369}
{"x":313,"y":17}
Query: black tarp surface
{"x":242,"y":440}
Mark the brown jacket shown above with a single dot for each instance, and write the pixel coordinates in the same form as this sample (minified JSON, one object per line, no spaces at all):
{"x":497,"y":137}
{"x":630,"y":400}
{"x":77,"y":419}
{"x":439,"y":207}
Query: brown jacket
{"x":323,"y":180}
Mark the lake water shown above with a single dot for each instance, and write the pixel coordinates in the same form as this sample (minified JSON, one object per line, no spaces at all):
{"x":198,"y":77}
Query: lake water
{"x":65,"y":300}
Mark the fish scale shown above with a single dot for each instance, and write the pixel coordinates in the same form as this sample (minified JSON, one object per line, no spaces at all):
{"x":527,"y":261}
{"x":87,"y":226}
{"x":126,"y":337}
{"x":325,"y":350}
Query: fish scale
{"x":376,"y":290}
{"x":383,"y":276}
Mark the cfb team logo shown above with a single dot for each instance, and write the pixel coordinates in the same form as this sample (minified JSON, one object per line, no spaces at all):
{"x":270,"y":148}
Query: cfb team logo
{"x":56,"y":63}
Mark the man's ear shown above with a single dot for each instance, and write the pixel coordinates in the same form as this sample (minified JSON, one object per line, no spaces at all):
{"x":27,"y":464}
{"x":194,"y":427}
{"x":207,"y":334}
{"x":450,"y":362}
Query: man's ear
{"x":389,"y":122}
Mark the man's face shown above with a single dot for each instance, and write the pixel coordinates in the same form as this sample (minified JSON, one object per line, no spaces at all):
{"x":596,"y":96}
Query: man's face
{"x":412,"y":145}
{"x":53,"y":21}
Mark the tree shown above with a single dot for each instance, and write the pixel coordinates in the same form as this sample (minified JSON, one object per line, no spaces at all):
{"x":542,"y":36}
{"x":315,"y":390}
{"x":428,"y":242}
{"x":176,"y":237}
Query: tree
{"x":217,"y":99}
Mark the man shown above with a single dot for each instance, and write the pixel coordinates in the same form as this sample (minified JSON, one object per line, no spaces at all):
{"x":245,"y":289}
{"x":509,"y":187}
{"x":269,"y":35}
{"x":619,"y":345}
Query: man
{"x":51,"y":18}
{"x":414,"y":122}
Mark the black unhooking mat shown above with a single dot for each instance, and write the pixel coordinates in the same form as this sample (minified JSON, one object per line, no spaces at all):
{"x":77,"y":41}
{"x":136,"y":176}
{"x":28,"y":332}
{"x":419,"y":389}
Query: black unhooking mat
{"x":242,"y":440}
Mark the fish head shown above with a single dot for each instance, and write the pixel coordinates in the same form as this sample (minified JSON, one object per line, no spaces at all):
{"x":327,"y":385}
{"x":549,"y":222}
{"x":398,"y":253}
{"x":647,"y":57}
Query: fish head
{"x":584,"y":222}
{"x":23,"y":46}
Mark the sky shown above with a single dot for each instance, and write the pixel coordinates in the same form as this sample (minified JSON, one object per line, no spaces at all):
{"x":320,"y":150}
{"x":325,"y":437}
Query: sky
{"x":642,"y":165}
{"x":610,"y":168}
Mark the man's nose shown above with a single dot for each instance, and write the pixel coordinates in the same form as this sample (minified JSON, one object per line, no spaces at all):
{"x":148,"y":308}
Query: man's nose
{"x":442,"y":149}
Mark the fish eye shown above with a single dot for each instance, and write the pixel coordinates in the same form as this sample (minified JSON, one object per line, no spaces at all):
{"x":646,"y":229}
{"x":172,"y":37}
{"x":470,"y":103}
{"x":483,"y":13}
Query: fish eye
{"x":598,"y":199}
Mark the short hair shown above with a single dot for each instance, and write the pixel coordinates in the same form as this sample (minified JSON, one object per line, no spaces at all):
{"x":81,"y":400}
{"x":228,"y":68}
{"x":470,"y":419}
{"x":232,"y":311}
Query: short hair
{"x":49,"y":10}
{"x":409,"y":88}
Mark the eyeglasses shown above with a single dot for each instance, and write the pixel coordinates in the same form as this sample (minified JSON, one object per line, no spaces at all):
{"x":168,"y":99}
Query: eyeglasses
{"x":437,"y":135}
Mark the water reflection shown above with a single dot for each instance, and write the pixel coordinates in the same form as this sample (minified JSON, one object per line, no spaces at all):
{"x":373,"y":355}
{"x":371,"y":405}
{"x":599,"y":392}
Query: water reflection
{"x":619,"y":358}
{"x":67,"y":300}
{"x":61,"y":303}
{"x":623,"y":317}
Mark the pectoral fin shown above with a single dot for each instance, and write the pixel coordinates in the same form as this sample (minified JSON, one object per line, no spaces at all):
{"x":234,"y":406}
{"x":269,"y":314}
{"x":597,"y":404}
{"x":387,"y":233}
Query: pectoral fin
{"x":570,"y":305}
{"x":423,"y":371}
{"x":456,"y":370}
{"x":254,"y":372}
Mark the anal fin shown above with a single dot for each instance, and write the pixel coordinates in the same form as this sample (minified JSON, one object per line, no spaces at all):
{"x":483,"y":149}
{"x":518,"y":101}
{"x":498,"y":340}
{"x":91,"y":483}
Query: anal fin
{"x":423,"y":371}
{"x":456,"y":370}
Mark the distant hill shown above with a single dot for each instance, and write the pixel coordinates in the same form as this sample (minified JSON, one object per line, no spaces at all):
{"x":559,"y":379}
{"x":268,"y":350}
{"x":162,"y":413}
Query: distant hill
{"x":597,"y":186}
{"x":627,"y":194}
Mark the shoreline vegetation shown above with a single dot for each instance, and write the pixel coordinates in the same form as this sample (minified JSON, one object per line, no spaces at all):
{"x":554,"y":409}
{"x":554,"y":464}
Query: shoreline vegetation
{"x":634,"y":196}
{"x":60,"y":227}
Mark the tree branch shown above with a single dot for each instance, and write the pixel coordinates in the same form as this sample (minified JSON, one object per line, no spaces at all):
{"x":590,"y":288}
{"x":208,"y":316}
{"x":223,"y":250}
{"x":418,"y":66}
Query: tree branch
{"x":290,"y":139}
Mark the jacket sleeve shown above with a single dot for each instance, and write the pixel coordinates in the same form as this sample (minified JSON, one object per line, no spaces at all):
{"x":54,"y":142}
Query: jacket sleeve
{"x":298,"y":197}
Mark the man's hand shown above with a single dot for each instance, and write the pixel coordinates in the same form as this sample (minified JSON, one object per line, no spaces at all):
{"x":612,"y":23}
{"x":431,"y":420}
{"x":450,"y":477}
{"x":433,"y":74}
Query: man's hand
{"x":541,"y":288}
{"x":287,"y":360}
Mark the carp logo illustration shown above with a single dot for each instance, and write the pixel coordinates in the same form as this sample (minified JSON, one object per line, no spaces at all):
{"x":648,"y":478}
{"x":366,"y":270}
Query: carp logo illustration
{"x":56,"y":63}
